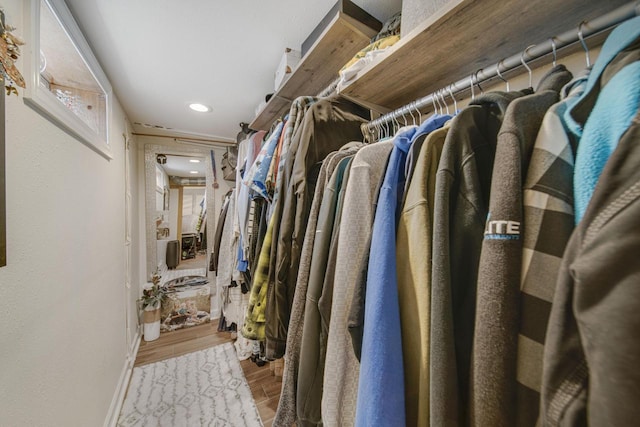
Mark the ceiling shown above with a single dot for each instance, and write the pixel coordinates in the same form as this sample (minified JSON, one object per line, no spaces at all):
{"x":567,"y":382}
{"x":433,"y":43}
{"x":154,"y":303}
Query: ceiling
{"x":183,"y":167}
{"x":162,"y":55}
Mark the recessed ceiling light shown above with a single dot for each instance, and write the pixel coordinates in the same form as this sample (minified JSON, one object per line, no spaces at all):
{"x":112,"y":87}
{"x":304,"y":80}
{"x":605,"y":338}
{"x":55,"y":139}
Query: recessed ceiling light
{"x":194,"y":171}
{"x":200,"y":108}
{"x":194,"y":161}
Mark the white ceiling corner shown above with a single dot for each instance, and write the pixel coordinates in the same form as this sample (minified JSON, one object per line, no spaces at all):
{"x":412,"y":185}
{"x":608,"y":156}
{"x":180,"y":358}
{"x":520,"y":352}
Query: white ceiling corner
{"x":161,"y":55}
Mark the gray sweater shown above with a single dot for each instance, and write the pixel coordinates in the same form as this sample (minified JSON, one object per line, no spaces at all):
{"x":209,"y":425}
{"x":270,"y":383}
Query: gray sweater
{"x":340,"y":382}
{"x":460,"y":211}
{"x":493,"y":384}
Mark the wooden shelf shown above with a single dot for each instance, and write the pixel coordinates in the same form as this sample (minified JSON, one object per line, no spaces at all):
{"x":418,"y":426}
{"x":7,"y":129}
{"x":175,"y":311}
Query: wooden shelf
{"x":348,"y":31}
{"x":461,"y":38}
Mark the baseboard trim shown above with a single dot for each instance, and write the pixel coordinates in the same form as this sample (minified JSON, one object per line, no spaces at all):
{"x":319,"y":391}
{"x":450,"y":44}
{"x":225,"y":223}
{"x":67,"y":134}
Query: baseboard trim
{"x":123,"y":383}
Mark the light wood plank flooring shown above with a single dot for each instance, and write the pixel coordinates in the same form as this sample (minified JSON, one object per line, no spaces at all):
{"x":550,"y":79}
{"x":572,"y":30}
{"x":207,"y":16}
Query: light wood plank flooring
{"x":200,"y":261}
{"x":264,"y":385}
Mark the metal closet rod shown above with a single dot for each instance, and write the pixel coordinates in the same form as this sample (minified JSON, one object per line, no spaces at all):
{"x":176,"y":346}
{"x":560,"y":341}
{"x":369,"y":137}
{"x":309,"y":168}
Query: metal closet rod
{"x":532,"y":53}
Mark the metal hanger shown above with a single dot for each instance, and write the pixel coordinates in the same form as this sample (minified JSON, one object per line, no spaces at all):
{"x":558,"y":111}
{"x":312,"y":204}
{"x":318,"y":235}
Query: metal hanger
{"x":473,"y":93}
{"x":438,"y":101}
{"x":413,"y":118}
{"x":478,"y":81}
{"x":404,"y":116}
{"x":444,"y":101}
{"x":396,"y":123}
{"x":584,"y":44}
{"x":526,"y":66}
{"x":387,"y":131}
{"x":455,"y":103}
{"x":500,"y":75}
{"x":554,"y":51}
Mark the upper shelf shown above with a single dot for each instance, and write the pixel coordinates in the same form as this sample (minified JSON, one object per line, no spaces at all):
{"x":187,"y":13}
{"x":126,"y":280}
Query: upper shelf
{"x":349,"y":29}
{"x":462,"y":38}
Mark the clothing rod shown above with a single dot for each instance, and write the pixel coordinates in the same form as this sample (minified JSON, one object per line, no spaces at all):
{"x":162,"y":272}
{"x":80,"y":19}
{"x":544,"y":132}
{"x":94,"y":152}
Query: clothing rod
{"x":589,"y":28}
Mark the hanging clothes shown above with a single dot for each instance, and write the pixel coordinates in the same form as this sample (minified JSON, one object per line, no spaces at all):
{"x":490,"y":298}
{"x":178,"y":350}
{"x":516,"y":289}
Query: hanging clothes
{"x":589,"y":374}
{"x":460,"y":210}
{"x":590,"y":360}
{"x":606,"y":108}
{"x":381,"y":383}
{"x":247,"y":152}
{"x":256,"y":176}
{"x":413,"y":253}
{"x":286,"y":413}
{"x":255,"y":317}
{"x":217,"y":240}
{"x":497,"y":302}
{"x":226,"y":265}
{"x":329,"y":124}
{"x":548,"y":224}
{"x":312,"y":348}
{"x":341,"y":366}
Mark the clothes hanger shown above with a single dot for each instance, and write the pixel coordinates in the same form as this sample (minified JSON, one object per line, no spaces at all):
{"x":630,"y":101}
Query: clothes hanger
{"x":455,"y":103}
{"x":438,"y":101}
{"x":500,"y":74}
{"x":396,"y":124}
{"x":433,"y":101}
{"x":584,"y":44}
{"x":419,"y":113}
{"x":413,"y":118}
{"x":478,"y":81}
{"x":404,"y":117}
{"x":444,"y":101}
{"x":526,"y":66}
{"x":473,"y":93}
{"x":385,"y":126}
{"x":554,"y":51}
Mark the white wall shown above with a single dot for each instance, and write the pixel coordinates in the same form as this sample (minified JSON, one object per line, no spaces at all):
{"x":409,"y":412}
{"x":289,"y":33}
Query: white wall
{"x":63,"y":299}
{"x":137,"y":246}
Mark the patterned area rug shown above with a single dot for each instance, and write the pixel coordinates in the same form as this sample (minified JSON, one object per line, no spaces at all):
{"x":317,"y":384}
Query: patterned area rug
{"x":204,"y":388}
{"x":169,"y":275}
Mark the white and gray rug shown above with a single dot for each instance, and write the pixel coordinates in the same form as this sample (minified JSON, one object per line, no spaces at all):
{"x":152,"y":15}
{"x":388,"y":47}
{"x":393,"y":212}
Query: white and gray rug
{"x":169,"y":275}
{"x":204,"y":388}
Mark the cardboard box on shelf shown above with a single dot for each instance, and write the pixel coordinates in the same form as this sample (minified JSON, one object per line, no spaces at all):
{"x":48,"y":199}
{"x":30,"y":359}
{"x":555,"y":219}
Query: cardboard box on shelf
{"x":288,"y":63}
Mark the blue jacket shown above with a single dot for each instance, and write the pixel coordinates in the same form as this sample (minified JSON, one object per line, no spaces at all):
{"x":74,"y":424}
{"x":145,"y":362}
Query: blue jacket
{"x":603,"y":113}
{"x":381,"y":383}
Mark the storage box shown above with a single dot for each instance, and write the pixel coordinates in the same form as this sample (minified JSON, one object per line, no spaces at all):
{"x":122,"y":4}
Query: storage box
{"x":349,"y":11}
{"x":288,"y":63}
{"x":414,"y":12}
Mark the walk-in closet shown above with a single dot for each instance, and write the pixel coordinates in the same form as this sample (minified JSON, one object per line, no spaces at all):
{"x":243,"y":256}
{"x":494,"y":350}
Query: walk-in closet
{"x":337,"y":213}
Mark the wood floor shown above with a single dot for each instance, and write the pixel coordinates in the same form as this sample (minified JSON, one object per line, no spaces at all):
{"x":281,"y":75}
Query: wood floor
{"x":264,"y":385}
{"x":200,"y":261}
